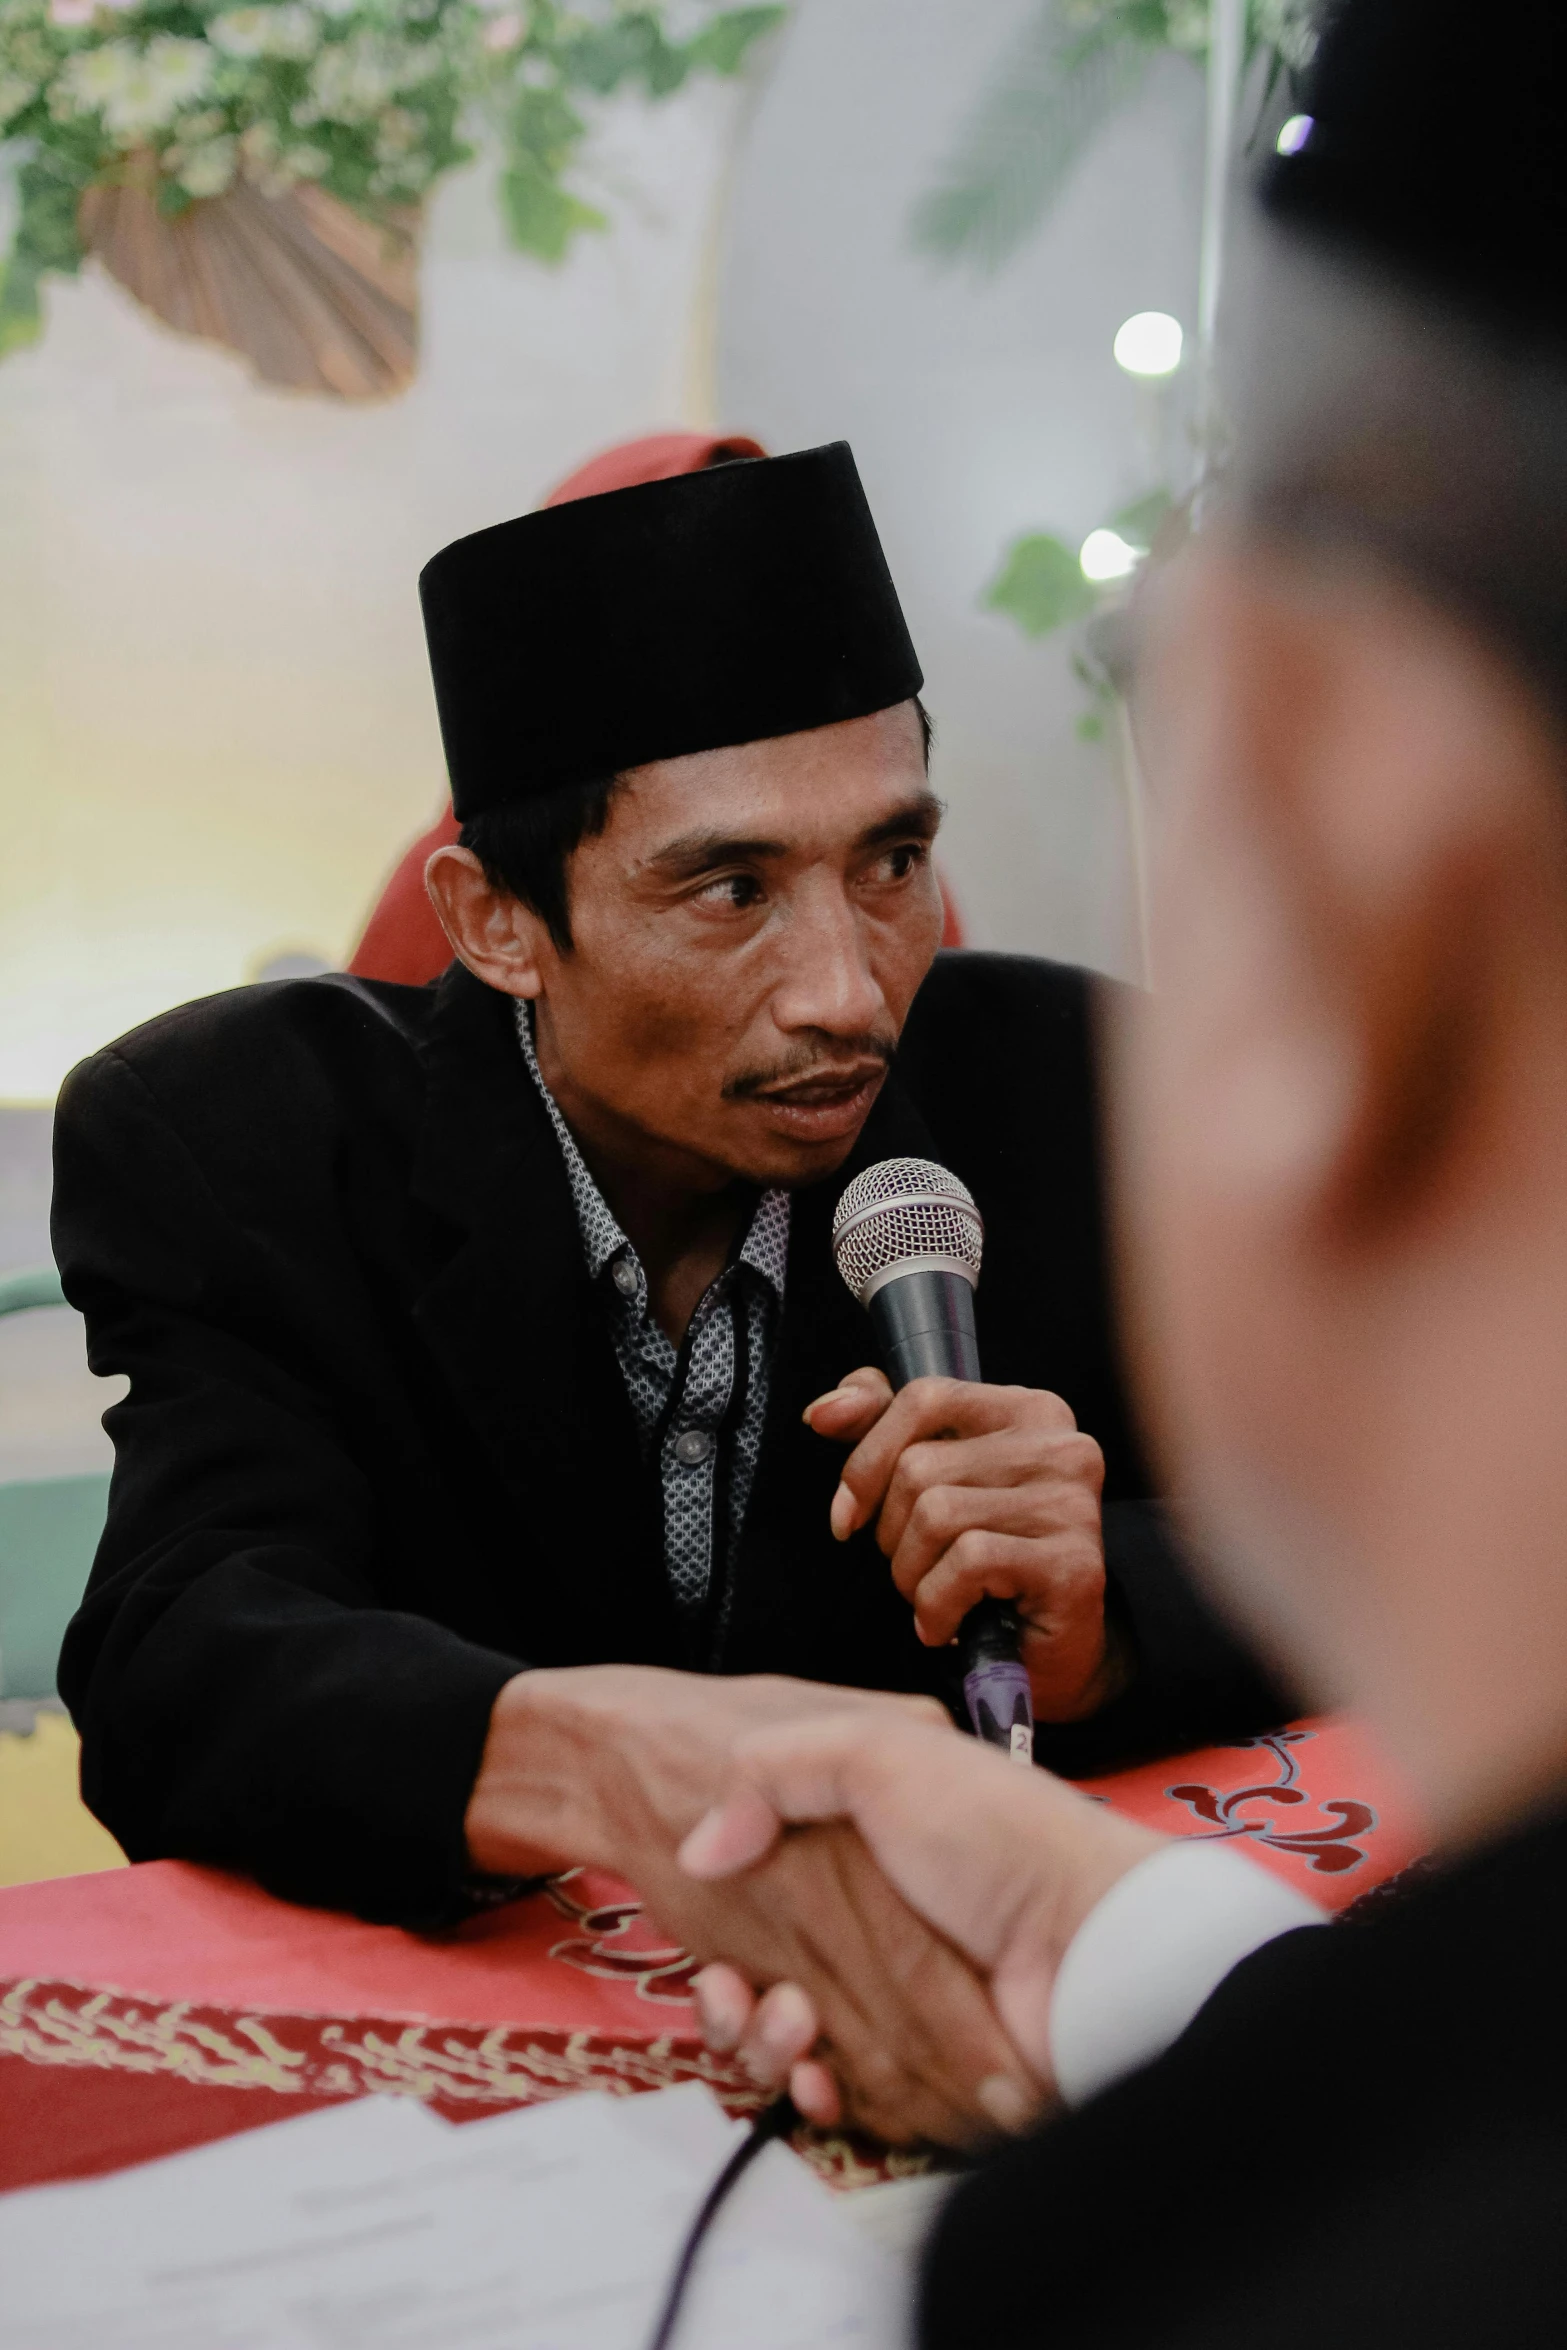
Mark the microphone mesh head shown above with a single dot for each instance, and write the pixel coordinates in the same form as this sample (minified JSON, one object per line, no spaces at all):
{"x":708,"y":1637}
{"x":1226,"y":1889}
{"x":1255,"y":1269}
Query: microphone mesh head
{"x":901,"y":1210}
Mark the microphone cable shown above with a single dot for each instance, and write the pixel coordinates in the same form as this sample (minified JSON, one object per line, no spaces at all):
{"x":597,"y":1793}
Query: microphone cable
{"x":774,"y":2121}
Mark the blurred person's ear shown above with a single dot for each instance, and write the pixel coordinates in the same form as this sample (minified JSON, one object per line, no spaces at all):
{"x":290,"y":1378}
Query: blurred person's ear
{"x":501,"y":940}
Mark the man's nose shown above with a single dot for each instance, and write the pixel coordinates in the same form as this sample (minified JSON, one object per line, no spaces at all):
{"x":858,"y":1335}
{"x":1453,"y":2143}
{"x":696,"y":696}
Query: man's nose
{"x":828,"y":982}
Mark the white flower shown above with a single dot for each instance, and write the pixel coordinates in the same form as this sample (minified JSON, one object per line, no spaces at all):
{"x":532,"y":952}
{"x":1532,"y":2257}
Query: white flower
{"x":208,"y":169}
{"x":286,"y":31}
{"x":354,"y":79}
{"x":71,"y":12}
{"x":395,"y":133}
{"x":306,"y":163}
{"x":138,"y":91}
{"x":504,"y":31}
{"x":258,"y":148}
{"x":401,"y":180}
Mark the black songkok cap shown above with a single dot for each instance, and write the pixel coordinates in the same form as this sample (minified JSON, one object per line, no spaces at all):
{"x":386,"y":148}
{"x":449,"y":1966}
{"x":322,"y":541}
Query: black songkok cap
{"x":1436,"y":148}
{"x":749,"y":600}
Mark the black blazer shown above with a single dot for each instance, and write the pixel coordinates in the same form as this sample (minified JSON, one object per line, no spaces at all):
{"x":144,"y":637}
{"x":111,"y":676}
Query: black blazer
{"x":1359,"y":2144}
{"x":377,"y":1451}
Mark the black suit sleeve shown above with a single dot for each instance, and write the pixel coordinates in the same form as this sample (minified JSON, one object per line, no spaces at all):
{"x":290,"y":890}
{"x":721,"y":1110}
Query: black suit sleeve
{"x":242,"y":1698}
{"x":1194,"y":1683}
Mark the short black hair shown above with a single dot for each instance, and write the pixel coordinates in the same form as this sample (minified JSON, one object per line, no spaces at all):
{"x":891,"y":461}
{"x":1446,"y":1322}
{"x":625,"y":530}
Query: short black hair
{"x":526,"y":846}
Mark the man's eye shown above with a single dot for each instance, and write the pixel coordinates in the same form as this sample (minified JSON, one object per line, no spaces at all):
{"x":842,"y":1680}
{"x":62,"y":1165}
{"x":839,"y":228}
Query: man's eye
{"x":731,"y":892}
{"x":897,"y":864}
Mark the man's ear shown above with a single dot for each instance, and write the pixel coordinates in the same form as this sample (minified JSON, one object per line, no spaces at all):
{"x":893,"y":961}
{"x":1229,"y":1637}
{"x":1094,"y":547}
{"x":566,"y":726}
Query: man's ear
{"x":1385,"y":776}
{"x":501,"y":940}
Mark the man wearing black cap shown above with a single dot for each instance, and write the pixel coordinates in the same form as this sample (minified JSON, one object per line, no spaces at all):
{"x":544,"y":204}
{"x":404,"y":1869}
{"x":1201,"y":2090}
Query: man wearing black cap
{"x":1345,"y":1166}
{"x":490,"y":1375}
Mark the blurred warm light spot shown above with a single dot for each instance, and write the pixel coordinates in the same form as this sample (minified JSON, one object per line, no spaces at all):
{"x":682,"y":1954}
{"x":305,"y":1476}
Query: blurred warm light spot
{"x":1106,"y":556}
{"x":1295,"y":134}
{"x":1150,"y":344}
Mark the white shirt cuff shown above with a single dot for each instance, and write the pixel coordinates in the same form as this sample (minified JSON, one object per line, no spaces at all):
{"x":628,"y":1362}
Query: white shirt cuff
{"x":1150,"y":1952}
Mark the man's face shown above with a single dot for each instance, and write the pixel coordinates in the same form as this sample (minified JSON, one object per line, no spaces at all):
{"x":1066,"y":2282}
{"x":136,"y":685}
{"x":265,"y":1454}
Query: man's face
{"x":749,"y":931}
{"x":1343,"y":1138}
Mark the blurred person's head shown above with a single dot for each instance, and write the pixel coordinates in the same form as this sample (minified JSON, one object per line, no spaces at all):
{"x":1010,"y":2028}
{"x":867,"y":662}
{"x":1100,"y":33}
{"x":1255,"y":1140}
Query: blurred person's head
{"x":689,"y":758}
{"x":1344,"y":1129}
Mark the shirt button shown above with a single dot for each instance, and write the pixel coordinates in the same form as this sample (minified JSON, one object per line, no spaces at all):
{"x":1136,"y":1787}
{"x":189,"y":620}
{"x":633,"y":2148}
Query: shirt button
{"x":693,"y":1447}
{"x":624,"y":1275}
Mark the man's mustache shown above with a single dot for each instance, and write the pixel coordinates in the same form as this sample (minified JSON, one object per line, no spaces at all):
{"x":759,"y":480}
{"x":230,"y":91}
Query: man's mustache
{"x":840,"y":1063}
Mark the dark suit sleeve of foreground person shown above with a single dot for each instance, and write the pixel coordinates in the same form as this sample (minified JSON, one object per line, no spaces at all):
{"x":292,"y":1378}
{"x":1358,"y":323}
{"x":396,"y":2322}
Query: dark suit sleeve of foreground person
{"x":377,"y":1454}
{"x":1359,"y":2140}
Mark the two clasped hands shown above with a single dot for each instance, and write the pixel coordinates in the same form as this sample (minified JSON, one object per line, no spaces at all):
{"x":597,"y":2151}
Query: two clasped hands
{"x":1002,"y":1864}
{"x":881,"y":1901}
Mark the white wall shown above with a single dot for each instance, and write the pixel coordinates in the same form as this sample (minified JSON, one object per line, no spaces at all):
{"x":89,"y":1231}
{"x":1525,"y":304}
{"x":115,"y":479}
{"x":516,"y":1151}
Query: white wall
{"x":977,"y":409}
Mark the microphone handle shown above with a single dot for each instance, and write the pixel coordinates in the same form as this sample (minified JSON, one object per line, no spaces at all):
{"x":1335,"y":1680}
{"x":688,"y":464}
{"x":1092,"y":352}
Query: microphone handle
{"x":925,"y":1323}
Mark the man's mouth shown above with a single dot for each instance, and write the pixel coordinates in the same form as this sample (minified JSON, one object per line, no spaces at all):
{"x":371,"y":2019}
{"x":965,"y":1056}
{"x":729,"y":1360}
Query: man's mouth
{"x":823,"y":1104}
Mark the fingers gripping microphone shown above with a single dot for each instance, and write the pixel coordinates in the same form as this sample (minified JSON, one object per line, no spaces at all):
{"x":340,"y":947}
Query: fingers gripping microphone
{"x":907,"y":1239}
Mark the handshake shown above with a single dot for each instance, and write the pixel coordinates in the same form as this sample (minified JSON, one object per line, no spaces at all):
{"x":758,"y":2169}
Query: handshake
{"x":881,"y":1903}
{"x":949,"y":1886}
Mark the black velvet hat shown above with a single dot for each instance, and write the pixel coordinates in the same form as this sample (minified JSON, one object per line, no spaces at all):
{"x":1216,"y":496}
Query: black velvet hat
{"x":749,"y":600}
{"x":1436,"y":147}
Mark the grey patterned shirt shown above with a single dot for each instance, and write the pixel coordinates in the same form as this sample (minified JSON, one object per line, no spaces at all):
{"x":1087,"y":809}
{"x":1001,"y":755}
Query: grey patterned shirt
{"x":707,"y":1430}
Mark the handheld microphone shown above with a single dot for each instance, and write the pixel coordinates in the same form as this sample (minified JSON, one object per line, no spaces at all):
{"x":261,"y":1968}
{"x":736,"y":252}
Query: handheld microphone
{"x":907,"y":1239}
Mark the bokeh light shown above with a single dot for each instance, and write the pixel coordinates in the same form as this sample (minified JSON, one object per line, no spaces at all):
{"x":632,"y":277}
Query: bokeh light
{"x":1106,"y":556}
{"x":1150,"y":344}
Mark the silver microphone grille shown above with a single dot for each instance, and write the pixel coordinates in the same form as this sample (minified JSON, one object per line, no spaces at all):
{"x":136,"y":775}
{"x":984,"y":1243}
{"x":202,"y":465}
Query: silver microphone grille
{"x":903,"y":1215}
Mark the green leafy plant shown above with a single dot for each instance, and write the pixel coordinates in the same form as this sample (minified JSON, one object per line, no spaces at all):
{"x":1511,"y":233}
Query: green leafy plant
{"x":1074,"y":63}
{"x":371,"y":100}
{"x":1041,"y":585}
{"x":1043,"y":588}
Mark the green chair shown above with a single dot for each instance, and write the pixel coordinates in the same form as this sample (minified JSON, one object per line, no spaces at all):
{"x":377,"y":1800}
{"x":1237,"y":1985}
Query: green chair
{"x":49,"y":1529}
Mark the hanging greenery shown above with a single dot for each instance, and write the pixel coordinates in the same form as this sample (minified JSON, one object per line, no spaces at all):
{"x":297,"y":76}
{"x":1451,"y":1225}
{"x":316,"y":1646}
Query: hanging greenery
{"x":190,"y":142}
{"x":1042,"y":587}
{"x":1072,"y":66}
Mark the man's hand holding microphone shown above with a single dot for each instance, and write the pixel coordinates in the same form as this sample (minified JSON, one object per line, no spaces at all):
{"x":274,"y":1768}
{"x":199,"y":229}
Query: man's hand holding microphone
{"x":980,"y":1492}
{"x":985,"y":1499}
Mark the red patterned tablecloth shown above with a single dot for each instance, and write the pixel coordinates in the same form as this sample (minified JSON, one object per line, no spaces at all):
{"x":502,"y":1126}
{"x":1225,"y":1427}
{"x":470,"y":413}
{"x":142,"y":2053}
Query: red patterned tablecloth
{"x":154,"y":2007}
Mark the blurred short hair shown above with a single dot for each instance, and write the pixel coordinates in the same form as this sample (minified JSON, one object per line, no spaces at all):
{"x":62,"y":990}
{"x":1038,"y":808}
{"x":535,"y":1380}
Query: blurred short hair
{"x":1408,"y":340}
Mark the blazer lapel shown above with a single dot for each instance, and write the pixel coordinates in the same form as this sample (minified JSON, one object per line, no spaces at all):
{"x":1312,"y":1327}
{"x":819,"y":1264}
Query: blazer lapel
{"x":512,"y":1320}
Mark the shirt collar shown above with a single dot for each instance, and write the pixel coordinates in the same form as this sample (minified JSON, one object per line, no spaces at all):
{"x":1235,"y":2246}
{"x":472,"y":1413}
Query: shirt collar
{"x":765,"y":1247}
